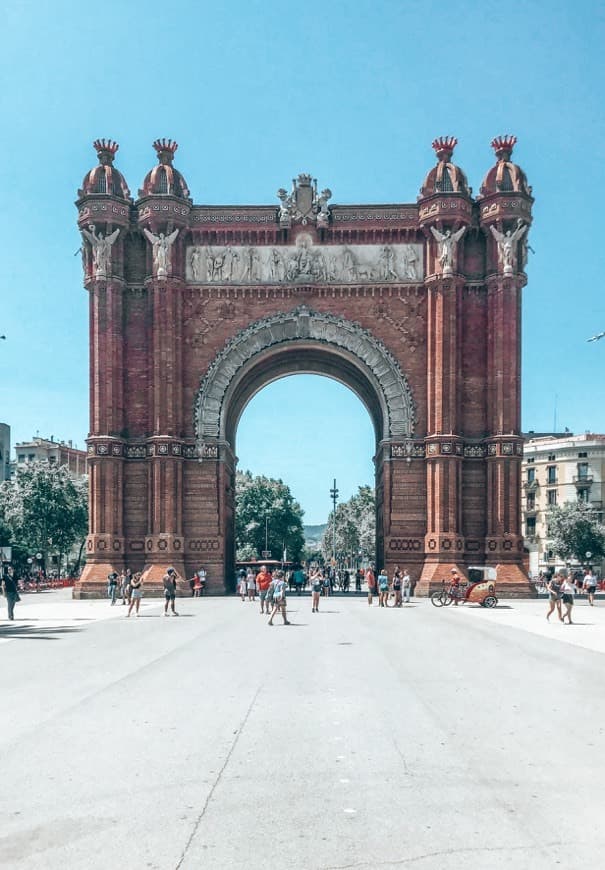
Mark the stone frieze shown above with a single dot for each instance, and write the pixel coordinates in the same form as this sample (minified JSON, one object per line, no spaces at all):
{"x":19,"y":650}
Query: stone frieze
{"x":304,"y":262}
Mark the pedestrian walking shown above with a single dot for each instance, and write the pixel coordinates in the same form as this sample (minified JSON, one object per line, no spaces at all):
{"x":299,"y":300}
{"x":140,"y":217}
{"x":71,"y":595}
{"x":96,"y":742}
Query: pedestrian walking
{"x":197,"y":586}
{"x":125,"y":578}
{"x":371,"y":584}
{"x":299,"y":579}
{"x":406,"y":585}
{"x":383,"y":588}
{"x":251,"y":585}
{"x":263,"y":584}
{"x":358,"y":579}
{"x":590,"y":586}
{"x":554,"y":596}
{"x":136,"y":593}
{"x":11,"y":590}
{"x":327,"y":583}
{"x":316,"y":587}
{"x":241,"y":584}
{"x":397,"y":581}
{"x":169,"y":582}
{"x":567,"y":593}
{"x":279,"y":597}
{"x":112,"y":586}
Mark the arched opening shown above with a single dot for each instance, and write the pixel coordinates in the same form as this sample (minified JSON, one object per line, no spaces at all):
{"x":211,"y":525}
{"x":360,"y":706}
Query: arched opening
{"x":300,"y":341}
{"x":308,"y":430}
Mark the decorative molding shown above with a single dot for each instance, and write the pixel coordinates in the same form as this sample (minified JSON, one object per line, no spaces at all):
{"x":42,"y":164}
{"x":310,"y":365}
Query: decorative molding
{"x":304,"y":324}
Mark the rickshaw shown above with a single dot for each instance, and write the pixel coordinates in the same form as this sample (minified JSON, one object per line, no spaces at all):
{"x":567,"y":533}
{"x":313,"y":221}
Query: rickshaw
{"x":481,"y":589}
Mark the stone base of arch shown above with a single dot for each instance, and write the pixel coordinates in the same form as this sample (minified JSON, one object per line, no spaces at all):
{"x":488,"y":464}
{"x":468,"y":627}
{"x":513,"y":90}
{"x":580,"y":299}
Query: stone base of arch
{"x":511,"y":579}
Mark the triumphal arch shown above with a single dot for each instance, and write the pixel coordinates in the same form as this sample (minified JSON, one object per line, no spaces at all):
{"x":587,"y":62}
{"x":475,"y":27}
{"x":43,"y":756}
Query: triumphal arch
{"x":194,"y":308}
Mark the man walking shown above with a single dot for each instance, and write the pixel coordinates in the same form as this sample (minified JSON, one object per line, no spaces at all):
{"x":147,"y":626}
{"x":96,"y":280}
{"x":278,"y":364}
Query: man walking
{"x":11,"y":590}
{"x":407,"y":586}
{"x":169,"y":582}
{"x":371,"y":584}
{"x":263,"y":581}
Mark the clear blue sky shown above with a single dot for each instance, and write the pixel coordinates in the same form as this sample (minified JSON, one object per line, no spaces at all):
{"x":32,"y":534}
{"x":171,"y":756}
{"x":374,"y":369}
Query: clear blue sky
{"x":255,"y":92}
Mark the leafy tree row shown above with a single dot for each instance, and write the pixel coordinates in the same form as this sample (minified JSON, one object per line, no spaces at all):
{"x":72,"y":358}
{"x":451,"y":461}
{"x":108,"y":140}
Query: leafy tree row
{"x":266,"y":505}
{"x":574,"y":529}
{"x":355,"y":526}
{"x":43,"y":509}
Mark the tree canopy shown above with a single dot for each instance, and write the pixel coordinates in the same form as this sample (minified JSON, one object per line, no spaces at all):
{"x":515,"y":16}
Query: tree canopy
{"x":355,"y":526}
{"x":259,"y":500}
{"x":42,"y":509}
{"x":574,"y":530}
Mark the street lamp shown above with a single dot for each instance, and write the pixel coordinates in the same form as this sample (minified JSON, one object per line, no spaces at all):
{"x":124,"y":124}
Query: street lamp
{"x":334,"y":496}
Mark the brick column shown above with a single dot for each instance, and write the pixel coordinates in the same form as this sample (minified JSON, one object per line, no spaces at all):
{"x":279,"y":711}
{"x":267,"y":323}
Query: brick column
{"x":504,"y":541}
{"x":164,"y":542}
{"x":444,"y":543}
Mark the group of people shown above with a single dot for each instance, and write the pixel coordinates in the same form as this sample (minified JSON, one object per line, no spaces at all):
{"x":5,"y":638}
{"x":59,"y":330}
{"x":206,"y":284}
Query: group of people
{"x":129,"y":587}
{"x":561,"y":591}
{"x":271,"y":588}
{"x":399,"y":587}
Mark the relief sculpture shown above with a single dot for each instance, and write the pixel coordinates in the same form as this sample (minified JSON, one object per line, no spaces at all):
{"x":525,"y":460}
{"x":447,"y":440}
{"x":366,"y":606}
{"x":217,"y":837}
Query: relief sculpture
{"x":304,"y":262}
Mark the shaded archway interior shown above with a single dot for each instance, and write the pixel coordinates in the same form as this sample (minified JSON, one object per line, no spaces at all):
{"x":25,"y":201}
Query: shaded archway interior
{"x":301,"y":358}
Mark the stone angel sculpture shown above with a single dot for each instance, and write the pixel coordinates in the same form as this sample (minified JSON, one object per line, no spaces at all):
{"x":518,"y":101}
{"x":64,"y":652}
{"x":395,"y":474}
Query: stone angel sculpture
{"x":101,"y":250}
{"x":507,"y":246}
{"x":447,"y":247}
{"x":161,"y":245}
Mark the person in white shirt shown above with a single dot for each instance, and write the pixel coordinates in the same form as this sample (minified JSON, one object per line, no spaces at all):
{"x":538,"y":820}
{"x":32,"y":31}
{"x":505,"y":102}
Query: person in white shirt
{"x":590,"y":585}
{"x":407,"y":586}
{"x":567,"y":591}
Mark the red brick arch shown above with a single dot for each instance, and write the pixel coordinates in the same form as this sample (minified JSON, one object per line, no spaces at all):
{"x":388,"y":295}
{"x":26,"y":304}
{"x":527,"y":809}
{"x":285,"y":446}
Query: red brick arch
{"x":193,"y":309}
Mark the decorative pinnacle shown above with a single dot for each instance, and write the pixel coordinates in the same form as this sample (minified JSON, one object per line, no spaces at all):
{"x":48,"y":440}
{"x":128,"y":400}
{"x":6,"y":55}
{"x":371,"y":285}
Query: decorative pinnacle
{"x":304,"y":178}
{"x":503,"y":146}
{"x":105,"y":148}
{"x":444,"y":146}
{"x":165,"y":149}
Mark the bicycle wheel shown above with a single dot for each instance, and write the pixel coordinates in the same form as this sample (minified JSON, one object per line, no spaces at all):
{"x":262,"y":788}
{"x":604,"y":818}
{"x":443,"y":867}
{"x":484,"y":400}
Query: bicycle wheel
{"x":447,"y":598}
{"x":437,"y":599}
{"x":490,"y":601}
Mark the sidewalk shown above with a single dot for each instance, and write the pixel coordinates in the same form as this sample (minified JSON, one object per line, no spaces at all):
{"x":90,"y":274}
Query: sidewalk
{"x":587,"y":630}
{"x":56,"y":607}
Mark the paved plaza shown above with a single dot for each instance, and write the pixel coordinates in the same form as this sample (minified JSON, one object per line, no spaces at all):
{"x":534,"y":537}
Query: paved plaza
{"x":354,"y":739}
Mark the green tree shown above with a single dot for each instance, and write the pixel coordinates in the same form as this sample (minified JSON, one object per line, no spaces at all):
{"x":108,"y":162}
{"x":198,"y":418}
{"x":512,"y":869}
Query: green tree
{"x":574,"y":530}
{"x":262,"y":503}
{"x":43,"y":508}
{"x":355,"y":526}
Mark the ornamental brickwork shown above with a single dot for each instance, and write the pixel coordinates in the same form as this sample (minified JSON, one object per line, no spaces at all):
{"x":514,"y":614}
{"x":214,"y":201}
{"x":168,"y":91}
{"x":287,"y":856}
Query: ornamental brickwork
{"x":193,"y":309}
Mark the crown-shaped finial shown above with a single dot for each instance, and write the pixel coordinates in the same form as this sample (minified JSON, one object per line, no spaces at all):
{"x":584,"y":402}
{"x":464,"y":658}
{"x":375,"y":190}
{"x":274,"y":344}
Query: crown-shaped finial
{"x":165,"y":149}
{"x":304,"y":178}
{"x":444,"y":146}
{"x":503,"y":146}
{"x":105,"y":148}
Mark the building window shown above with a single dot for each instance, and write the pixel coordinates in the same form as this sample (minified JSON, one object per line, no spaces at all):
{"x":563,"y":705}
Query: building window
{"x":531,"y":475}
{"x":531,"y":459}
{"x":582,"y":470}
{"x":530,"y":527}
{"x":31,"y":457}
{"x":552,"y":457}
{"x":582,"y":495}
{"x":551,"y":496}
{"x":531,"y":501}
{"x":21,"y":457}
{"x":551,"y":474}
{"x":162,"y":181}
{"x":582,"y":455}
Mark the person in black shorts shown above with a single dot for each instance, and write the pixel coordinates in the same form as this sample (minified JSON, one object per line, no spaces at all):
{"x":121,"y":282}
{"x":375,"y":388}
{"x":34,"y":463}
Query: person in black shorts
{"x":169,"y":581}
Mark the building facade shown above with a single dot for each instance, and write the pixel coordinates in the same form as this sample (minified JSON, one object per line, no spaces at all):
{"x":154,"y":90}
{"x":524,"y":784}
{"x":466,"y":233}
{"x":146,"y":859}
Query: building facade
{"x":194,"y":308}
{"x":49,"y":450}
{"x":558,"y":469}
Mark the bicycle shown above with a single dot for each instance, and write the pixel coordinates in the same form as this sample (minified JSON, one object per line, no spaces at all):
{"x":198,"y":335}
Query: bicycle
{"x":448,"y":594}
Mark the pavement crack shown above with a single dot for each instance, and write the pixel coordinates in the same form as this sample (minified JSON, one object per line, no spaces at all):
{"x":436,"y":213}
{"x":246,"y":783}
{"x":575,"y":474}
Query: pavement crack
{"x":441,"y":853}
{"x":234,"y":742}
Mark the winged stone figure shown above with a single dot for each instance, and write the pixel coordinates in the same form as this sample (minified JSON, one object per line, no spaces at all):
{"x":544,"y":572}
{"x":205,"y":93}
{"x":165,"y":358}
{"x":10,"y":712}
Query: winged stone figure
{"x":507,"y":246}
{"x":447,"y":247}
{"x":161,"y":245}
{"x":101,"y":249}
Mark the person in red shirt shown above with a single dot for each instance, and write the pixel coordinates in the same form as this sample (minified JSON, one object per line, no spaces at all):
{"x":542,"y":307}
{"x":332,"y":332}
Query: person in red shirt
{"x":371,"y":583}
{"x":263,"y":581}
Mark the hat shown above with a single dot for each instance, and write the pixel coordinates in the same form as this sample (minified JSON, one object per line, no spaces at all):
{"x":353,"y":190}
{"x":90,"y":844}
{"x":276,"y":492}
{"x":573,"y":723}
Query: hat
{"x":171,"y":571}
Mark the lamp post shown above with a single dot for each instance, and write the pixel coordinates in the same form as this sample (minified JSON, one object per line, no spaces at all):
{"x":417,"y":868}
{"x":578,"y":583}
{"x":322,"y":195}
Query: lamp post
{"x":334,"y":496}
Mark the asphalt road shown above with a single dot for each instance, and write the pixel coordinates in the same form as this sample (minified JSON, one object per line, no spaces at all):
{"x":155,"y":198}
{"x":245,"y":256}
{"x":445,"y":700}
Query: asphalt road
{"x":355,"y":738}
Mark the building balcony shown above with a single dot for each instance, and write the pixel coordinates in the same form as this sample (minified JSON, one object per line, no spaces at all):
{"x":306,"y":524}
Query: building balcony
{"x":531,"y":485}
{"x":583,"y":479}
{"x":530,"y":511}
